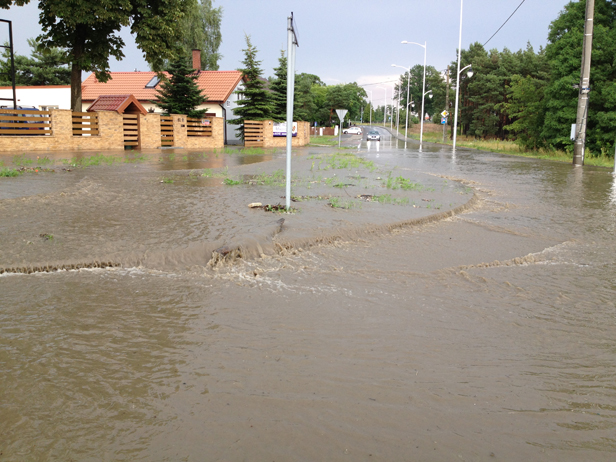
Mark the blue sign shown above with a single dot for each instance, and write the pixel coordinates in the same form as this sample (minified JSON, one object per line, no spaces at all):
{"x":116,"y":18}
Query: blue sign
{"x":443,"y":120}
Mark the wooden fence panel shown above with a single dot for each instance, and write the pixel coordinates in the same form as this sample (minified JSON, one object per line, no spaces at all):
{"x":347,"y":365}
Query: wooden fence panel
{"x":17,"y":122}
{"x":130,"y":123}
{"x":85,"y":123}
{"x":198,"y":127}
{"x":254,"y":133}
{"x":166,"y":130}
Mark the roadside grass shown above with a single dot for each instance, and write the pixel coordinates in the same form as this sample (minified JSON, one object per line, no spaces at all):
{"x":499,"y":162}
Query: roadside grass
{"x":22,"y":160}
{"x":341,"y":160}
{"x":277,"y":178}
{"x":512,"y":148}
{"x":323,"y":141}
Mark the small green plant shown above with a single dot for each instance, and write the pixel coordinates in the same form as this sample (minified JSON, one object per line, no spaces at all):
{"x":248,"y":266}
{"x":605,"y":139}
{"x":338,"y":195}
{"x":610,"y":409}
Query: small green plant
{"x":22,"y":160}
{"x":277,"y":178}
{"x":167,"y":180}
{"x":210,"y":173}
{"x":43,"y":161}
{"x":231,"y":182}
{"x":6,"y":172}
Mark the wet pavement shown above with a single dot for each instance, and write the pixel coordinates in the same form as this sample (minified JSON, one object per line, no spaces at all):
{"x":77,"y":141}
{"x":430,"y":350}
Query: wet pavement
{"x":416,"y":305}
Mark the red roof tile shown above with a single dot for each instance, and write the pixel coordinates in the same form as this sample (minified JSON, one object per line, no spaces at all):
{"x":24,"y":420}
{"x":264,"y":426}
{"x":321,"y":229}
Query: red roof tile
{"x":216,"y":85}
{"x":119,"y":103}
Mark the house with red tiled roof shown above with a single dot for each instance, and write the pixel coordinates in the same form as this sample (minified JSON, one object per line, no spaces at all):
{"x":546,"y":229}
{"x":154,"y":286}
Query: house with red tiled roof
{"x":218,"y":86}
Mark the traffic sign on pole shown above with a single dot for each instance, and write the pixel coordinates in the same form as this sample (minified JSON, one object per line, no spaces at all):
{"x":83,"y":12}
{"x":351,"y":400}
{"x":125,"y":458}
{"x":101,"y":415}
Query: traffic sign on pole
{"x":341,"y":113}
{"x":444,"y":113}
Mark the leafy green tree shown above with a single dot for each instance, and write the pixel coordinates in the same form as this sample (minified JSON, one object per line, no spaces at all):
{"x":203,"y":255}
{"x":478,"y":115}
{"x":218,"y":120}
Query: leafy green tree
{"x":526,"y":107}
{"x":180,"y":94}
{"x":89,"y":32}
{"x":255,"y":101}
{"x":201,"y":31}
{"x":304,"y":101}
{"x":434,"y":82}
{"x":564,"y":52}
{"x":44,"y":67}
{"x":278,"y":87}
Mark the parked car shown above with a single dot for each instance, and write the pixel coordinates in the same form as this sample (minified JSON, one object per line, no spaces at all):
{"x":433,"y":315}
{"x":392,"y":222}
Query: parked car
{"x":352,"y":131}
{"x":373,"y":136}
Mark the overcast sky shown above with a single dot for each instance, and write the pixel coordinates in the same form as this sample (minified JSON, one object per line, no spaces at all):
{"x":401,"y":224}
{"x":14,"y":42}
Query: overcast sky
{"x":352,"y":41}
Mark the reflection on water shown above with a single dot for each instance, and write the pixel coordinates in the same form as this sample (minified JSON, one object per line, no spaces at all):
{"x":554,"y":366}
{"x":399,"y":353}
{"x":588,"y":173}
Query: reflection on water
{"x":485,"y":335}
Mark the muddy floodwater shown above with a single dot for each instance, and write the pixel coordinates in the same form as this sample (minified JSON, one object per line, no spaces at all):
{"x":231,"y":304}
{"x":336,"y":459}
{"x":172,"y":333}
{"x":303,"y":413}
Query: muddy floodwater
{"x":413,"y":306}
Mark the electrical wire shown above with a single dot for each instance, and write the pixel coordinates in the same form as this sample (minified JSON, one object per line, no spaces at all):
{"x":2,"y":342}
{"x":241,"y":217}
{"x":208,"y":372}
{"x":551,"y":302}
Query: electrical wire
{"x":504,"y":23}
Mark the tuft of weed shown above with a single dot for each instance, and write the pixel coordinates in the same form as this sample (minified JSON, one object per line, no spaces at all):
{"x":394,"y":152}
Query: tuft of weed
{"x":6,"y":172}
{"x":231,"y":182}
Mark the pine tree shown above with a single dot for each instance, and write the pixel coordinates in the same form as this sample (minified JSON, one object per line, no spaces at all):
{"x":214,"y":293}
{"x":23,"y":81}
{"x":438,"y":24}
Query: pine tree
{"x":255,"y":102}
{"x":180,"y":93}
{"x":278,"y":87}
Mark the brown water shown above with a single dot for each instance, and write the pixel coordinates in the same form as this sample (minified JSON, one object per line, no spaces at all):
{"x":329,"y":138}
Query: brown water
{"x":381,"y":331}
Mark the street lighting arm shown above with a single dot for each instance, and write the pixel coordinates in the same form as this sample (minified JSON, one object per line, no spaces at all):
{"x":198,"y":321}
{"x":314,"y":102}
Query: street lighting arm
{"x":463,"y":69}
{"x":413,"y":43}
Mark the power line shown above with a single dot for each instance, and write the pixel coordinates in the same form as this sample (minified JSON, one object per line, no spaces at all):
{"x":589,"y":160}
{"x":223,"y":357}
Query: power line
{"x":504,"y":23}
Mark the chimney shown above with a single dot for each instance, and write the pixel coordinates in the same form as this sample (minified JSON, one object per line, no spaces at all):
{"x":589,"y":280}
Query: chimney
{"x":196,"y":60}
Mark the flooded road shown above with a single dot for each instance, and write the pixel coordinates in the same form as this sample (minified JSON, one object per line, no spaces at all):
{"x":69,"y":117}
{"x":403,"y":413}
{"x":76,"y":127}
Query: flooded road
{"x":418,"y":306}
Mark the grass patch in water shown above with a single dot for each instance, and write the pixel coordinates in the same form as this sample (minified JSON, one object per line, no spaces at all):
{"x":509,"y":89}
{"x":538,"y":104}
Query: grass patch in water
{"x":210,"y":173}
{"x":402,"y":183}
{"x":232,"y":182}
{"x":387,"y":199}
{"x":337,"y":203}
{"x":6,"y":172}
{"x":277,"y":178}
{"x":22,"y":160}
{"x":92,"y":161}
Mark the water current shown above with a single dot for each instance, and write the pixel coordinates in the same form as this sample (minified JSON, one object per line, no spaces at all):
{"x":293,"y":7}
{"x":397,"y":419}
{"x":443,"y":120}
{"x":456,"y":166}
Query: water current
{"x":416,"y":306}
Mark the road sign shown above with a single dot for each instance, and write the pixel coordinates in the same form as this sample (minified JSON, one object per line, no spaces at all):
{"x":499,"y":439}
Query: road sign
{"x":444,"y":113}
{"x":443,"y":120}
{"x":341,"y":113}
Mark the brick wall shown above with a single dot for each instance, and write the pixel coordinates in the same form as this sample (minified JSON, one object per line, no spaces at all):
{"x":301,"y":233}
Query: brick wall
{"x":111,"y":134}
{"x":271,"y":141}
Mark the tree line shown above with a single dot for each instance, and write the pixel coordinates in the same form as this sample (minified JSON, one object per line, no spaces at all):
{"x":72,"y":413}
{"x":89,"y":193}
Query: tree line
{"x":531,"y":96}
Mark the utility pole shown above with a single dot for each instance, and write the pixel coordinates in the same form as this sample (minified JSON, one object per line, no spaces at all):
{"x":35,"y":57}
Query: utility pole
{"x":446,"y":107}
{"x":584,"y":90}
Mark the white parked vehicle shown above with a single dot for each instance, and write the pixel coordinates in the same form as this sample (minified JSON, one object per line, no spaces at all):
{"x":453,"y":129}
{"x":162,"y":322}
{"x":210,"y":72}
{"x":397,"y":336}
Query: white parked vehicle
{"x":352,"y":131}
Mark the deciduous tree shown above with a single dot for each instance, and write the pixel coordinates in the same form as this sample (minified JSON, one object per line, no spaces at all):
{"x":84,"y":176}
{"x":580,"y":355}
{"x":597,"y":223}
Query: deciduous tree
{"x":89,"y":31}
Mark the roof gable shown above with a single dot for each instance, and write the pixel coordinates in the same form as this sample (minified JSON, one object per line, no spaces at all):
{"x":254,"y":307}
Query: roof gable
{"x":123,"y":104}
{"x":217,"y":86}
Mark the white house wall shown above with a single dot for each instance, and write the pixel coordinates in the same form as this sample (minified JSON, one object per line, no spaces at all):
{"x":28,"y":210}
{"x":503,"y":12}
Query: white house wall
{"x":58,"y":97}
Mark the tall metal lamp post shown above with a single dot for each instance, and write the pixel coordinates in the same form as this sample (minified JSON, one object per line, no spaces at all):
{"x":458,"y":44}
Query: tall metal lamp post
{"x":455,"y":117}
{"x":370,"y":106}
{"x":385,"y":105}
{"x":423,"y":91}
{"x":408,"y":82}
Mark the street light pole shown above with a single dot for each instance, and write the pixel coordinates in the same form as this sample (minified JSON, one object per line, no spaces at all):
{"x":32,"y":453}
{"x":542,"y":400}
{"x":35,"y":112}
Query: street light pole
{"x":455,"y":122}
{"x":423,"y":91}
{"x":370,"y":106}
{"x":385,"y":105}
{"x":408,"y":82}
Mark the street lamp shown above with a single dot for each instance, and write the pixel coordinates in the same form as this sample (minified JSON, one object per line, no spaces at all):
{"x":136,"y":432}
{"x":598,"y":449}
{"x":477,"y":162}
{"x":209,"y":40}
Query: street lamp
{"x":408,"y":81}
{"x":469,"y":73}
{"x":370,"y":106}
{"x":385,"y":105}
{"x":425,"y":47}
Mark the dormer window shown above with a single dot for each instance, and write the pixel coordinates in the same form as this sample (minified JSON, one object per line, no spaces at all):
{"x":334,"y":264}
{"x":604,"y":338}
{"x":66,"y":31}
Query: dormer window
{"x":152,"y":83}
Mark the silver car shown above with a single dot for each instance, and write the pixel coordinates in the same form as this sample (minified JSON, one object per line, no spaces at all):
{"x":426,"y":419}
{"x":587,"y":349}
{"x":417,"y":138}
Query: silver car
{"x":373,"y":136}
